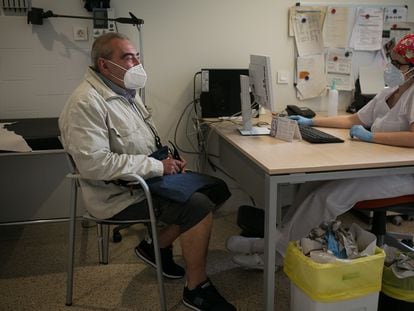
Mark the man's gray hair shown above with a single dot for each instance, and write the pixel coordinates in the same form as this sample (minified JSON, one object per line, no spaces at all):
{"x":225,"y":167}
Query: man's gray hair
{"x":102,"y":47}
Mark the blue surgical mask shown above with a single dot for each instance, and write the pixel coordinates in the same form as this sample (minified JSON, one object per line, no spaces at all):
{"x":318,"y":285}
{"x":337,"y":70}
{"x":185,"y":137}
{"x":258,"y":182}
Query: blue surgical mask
{"x":393,"y":76}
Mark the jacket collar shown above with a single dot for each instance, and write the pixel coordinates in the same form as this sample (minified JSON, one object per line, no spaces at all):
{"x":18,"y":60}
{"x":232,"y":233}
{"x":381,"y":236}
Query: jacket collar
{"x":105,"y":87}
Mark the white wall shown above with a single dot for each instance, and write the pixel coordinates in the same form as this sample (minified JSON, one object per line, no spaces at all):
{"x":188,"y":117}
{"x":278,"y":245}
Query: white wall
{"x":41,"y":65}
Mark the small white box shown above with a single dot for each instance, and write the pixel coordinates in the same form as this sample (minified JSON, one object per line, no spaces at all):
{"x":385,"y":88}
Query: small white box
{"x":299,"y":301}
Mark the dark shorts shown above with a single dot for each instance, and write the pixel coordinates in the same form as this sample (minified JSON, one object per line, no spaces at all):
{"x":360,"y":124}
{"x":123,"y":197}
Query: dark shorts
{"x":185,"y":215}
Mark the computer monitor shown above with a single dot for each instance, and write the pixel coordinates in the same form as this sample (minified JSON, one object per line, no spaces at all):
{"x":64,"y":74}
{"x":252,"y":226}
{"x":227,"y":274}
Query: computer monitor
{"x":220,"y":92}
{"x":260,"y":83}
{"x":260,"y":74}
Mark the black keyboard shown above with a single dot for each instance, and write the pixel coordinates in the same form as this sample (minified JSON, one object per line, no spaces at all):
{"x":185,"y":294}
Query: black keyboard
{"x":315,"y":136}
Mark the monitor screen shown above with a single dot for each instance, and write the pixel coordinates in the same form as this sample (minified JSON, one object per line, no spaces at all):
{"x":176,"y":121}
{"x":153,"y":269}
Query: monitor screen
{"x":260,"y":74}
{"x":259,"y":82}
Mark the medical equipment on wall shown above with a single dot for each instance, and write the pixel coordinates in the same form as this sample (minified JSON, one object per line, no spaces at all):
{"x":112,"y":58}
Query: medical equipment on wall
{"x":106,"y":19}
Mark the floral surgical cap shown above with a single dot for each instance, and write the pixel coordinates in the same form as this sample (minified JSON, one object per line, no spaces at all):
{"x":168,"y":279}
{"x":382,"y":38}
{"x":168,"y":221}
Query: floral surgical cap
{"x":405,"y":48}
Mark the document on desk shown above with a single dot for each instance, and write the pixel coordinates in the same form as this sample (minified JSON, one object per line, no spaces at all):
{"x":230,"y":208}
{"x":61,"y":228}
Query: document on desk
{"x":285,"y":129}
{"x":10,"y":141}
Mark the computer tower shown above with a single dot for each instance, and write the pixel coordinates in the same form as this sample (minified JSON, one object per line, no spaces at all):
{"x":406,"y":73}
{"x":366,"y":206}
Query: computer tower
{"x":220,"y":92}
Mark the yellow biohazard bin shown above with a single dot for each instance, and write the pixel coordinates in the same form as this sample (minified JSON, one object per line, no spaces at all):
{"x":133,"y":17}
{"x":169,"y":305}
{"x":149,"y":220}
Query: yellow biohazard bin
{"x":340,"y":286}
{"x":396,"y":293}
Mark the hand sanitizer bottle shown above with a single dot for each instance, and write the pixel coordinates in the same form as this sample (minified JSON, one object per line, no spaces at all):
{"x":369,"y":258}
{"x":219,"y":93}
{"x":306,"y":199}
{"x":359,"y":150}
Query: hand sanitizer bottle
{"x":333,"y":100}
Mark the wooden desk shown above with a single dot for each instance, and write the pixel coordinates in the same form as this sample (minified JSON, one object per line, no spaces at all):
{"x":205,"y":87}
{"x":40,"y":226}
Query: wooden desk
{"x":261,"y":164}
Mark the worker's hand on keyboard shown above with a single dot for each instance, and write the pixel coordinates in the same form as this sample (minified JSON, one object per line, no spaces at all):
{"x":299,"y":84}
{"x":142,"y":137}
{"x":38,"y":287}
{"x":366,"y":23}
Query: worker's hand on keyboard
{"x":302,"y":120}
{"x":361,"y":133}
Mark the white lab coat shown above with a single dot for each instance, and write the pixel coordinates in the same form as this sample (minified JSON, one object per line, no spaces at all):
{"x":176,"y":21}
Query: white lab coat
{"x":377,"y":115}
{"x":108,"y":140}
{"x":321,"y":201}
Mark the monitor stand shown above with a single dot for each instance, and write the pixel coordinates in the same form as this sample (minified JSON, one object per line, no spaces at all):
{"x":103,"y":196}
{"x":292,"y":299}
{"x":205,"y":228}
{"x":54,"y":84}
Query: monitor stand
{"x":248,"y":129}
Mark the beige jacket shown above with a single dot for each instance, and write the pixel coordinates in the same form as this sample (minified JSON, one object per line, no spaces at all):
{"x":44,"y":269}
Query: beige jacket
{"x":108,"y":140}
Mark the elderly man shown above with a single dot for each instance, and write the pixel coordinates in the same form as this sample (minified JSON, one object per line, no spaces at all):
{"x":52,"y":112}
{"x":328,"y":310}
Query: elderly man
{"x":109,"y":133}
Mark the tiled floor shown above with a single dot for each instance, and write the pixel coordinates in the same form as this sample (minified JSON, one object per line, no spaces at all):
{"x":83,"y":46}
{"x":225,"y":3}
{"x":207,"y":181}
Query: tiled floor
{"x":33,"y":271}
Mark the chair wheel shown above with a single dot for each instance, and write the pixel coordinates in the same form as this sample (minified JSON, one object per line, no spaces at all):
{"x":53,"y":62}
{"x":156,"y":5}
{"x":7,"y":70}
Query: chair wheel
{"x":116,"y":237}
{"x":397,"y":220}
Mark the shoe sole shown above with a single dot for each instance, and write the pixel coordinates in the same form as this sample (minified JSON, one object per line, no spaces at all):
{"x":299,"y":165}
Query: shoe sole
{"x":147,"y":261}
{"x":188,"y":305}
{"x":255,"y":267}
{"x":230,"y":245}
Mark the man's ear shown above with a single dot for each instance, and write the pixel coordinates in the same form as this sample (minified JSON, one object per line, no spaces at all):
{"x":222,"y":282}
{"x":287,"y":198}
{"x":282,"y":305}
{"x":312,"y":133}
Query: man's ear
{"x":103,"y":66}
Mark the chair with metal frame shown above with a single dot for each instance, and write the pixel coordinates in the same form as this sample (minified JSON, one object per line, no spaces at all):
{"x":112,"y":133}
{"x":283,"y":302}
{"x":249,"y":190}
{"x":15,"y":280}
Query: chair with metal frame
{"x":103,"y":232}
{"x":401,"y":204}
{"x":116,"y":232}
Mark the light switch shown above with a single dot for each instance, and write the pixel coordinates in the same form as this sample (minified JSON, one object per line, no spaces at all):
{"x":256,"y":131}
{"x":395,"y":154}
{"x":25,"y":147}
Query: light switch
{"x":282,"y":77}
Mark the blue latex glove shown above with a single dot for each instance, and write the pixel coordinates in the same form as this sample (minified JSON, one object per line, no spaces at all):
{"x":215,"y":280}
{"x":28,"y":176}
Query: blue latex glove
{"x":334,"y":246}
{"x":302,"y":120}
{"x":361,"y":133}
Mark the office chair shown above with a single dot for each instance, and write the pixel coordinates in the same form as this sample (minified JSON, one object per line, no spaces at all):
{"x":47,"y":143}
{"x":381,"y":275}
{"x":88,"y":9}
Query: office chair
{"x":103,"y":232}
{"x":402,"y":204}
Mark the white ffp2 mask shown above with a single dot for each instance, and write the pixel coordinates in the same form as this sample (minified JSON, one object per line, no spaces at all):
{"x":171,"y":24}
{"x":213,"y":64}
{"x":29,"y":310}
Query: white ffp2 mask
{"x":134,"y":78}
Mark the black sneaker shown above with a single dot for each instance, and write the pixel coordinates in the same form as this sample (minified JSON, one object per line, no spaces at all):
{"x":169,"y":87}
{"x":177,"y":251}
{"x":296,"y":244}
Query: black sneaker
{"x":170,"y":269}
{"x":205,"y":297}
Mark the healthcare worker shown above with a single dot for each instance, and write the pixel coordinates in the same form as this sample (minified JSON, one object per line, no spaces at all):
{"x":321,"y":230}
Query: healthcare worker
{"x":387,"y":119}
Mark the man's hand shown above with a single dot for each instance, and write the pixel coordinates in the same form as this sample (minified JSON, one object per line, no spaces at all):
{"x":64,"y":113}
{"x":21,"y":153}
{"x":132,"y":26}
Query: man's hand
{"x":361,"y":133}
{"x":173,"y":166}
{"x":302,"y":120}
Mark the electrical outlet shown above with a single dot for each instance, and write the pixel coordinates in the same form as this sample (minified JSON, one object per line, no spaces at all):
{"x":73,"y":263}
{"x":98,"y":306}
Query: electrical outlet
{"x":80,"y":33}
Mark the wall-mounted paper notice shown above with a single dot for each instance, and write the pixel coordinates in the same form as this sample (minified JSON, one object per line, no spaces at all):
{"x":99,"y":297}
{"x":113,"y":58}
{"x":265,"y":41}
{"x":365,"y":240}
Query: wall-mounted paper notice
{"x":311,"y":78}
{"x":335,"y":27}
{"x":308,"y":33}
{"x":367,"y":31}
{"x":339,"y":68}
{"x":395,"y":14}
